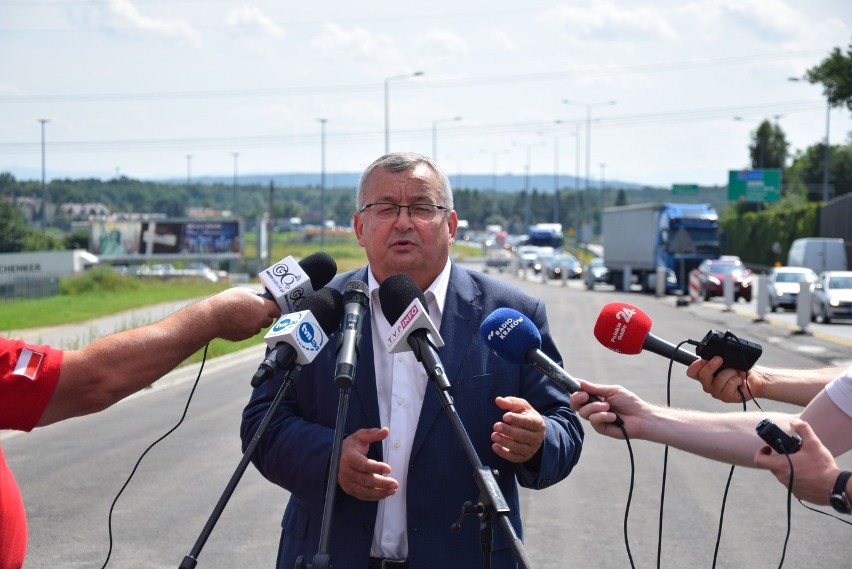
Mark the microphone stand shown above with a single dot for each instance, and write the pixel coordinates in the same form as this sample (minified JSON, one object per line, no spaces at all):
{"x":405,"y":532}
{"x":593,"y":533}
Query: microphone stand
{"x":491,"y":502}
{"x":322,"y":559}
{"x":191,"y":559}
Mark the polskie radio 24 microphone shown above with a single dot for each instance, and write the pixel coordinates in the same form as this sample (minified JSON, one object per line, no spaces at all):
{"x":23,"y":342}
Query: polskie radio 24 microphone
{"x":356,"y":299}
{"x":297,"y":338}
{"x":625,"y":329}
{"x":287,"y":282}
{"x":404,"y":305}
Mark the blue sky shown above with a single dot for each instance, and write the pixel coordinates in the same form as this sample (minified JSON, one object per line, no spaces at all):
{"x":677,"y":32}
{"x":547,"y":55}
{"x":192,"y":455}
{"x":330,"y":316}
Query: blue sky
{"x":136,"y":86}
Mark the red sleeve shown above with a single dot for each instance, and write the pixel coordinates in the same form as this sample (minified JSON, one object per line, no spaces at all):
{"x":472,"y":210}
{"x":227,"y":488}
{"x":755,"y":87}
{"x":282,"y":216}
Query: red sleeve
{"x":28,"y":377}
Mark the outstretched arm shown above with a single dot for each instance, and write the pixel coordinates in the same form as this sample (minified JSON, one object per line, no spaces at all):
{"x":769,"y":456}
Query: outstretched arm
{"x":118,"y":365}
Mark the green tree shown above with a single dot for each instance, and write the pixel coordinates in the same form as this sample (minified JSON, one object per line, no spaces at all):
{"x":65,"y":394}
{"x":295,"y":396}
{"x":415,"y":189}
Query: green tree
{"x":13,"y":228}
{"x":835,"y":75}
{"x":769,"y":146}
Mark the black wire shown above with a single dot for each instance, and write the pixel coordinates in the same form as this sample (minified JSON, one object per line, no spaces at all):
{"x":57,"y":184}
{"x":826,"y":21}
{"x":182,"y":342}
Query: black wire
{"x":629,"y":494}
{"x":665,"y":467}
{"x":823,"y":513}
{"x":139,"y":461}
{"x":725,"y":496}
{"x":789,"y":496}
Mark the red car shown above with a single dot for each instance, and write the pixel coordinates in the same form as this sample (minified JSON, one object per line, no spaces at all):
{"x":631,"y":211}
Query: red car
{"x":713,"y":273}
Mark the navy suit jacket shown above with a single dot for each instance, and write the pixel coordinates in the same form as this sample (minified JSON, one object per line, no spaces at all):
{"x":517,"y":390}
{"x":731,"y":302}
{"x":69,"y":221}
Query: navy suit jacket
{"x":295,"y":452}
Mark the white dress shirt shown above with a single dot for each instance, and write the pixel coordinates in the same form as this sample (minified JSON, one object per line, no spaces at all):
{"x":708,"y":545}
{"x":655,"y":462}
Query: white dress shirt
{"x":401,"y":383}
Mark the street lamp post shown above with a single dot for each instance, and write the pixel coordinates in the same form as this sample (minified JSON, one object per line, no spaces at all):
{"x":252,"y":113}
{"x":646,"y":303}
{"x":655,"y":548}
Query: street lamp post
{"x":826,"y":154}
{"x":387,"y":103}
{"x":188,"y":169}
{"x":236,"y":156}
{"x":43,"y":183}
{"x":588,"y":129}
{"x":576,"y":135}
{"x":322,"y":181}
{"x":435,"y":134}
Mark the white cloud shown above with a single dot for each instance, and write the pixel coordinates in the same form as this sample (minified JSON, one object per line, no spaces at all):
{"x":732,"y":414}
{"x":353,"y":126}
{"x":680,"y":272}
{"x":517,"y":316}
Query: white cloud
{"x":251,"y":20}
{"x":439,"y":45}
{"x":502,"y":39}
{"x":354,"y":43}
{"x":612,"y":22}
{"x":125,"y":12}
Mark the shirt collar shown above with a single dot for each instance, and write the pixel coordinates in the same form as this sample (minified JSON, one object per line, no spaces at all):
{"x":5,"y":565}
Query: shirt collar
{"x":436,"y":294}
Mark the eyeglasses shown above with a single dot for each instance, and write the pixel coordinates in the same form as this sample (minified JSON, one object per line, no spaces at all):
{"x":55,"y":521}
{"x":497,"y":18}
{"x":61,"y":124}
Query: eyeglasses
{"x":385,"y":211}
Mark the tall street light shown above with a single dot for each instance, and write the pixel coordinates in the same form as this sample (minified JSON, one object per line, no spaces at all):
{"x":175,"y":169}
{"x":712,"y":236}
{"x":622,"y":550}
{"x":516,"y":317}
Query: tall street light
{"x":188,"y":169}
{"x":387,"y":103}
{"x":435,"y":134}
{"x":322,"y":181}
{"x":43,"y":184}
{"x":236,"y":156}
{"x":588,"y":129}
{"x":527,"y":205}
{"x":825,"y":159}
{"x":576,"y":135}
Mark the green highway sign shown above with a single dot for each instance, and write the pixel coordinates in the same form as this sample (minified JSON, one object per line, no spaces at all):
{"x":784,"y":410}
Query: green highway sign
{"x":754,"y":185}
{"x":684,"y":189}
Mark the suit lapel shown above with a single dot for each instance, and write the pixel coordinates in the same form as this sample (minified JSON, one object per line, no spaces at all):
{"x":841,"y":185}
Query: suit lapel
{"x":459,"y":330}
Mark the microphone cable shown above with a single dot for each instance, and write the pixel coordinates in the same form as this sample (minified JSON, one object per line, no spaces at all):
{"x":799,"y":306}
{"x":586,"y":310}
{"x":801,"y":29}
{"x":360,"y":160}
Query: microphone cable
{"x":629,"y":493}
{"x":139,"y":460}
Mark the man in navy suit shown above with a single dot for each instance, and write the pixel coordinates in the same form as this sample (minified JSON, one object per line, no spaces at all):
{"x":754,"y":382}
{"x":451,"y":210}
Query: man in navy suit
{"x":404,"y":476}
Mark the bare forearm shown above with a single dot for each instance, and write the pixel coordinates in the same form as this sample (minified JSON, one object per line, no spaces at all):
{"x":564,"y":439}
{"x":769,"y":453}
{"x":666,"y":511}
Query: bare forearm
{"x":797,"y":386}
{"x":726,"y":437}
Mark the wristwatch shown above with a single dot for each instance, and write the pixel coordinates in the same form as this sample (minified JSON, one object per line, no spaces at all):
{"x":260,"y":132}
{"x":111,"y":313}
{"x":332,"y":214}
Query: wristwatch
{"x":838,"y":498}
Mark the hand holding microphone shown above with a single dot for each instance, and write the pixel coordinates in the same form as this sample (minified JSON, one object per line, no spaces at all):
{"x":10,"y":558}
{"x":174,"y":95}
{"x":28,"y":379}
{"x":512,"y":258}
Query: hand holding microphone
{"x":513,"y":337}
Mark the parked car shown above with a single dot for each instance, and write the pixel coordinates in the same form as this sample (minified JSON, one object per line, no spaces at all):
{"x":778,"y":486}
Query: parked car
{"x":784,"y":283}
{"x":832,"y":296}
{"x":596,"y":272}
{"x":713,"y":272}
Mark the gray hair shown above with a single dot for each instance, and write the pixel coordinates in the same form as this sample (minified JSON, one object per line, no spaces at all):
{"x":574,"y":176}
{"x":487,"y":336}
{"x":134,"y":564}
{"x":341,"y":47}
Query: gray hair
{"x":402,"y":162}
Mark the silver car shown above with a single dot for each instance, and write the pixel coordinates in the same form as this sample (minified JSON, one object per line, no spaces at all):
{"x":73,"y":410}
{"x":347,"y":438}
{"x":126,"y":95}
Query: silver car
{"x":832,"y":296}
{"x":784,"y":283}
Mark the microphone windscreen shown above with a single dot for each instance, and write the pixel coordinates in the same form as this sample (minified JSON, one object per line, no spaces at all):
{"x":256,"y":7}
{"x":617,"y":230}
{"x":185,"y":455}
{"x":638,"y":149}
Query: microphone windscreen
{"x":357,"y":291}
{"x":510,"y":335}
{"x":326,"y":305}
{"x":320,"y":268}
{"x":622,"y":328}
{"x":396,"y":292}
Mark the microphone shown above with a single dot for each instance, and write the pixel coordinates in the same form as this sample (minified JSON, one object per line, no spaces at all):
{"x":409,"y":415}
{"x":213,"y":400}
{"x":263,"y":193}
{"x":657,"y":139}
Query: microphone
{"x":288,"y":282}
{"x":404,"y":304}
{"x":297,"y":338}
{"x":625,"y":329}
{"x":515,"y":338}
{"x":355,"y":301}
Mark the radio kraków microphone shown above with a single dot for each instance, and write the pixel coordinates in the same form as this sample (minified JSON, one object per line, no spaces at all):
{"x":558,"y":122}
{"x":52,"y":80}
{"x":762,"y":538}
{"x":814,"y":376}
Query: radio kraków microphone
{"x":625,"y":329}
{"x":287,"y":282}
{"x":356,"y":299}
{"x":297,"y":338}
{"x":404,"y":305}
{"x":515,"y":338}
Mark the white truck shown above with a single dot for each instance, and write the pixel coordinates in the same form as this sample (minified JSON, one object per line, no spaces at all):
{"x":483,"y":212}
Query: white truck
{"x":639,"y":239}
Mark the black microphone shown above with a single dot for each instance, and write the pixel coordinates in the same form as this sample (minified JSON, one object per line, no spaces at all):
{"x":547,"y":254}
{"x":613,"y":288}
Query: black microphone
{"x":404,"y":304}
{"x":356,"y":299}
{"x":297,"y":338}
{"x":287,"y":282}
{"x":515,"y":338}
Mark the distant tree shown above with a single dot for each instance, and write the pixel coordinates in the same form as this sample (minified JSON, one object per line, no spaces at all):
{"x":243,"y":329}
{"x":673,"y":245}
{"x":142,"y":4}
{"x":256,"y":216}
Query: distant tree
{"x":769,"y":147}
{"x":13,"y":228}
{"x":835,"y":75}
{"x":621,"y":198}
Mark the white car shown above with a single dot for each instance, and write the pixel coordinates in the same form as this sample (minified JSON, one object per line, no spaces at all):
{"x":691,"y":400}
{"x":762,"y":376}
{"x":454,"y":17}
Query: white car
{"x":832,"y":296}
{"x":784,"y":283}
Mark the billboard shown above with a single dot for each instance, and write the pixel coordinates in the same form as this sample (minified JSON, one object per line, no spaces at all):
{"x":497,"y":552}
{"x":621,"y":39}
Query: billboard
{"x":173,"y":238}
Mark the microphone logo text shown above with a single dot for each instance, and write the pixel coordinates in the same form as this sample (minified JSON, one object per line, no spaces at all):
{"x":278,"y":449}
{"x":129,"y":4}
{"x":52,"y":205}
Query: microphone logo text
{"x":503,"y":329}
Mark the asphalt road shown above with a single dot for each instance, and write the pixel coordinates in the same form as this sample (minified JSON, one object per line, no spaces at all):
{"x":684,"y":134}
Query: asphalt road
{"x":70,"y":472}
